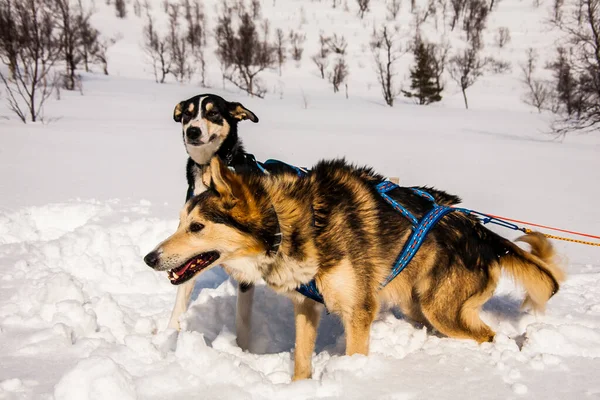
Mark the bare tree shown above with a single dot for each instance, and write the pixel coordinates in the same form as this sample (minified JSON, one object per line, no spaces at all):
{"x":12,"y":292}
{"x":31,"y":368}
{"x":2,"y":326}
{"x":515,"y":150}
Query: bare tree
{"x":538,"y":92}
{"x":498,"y":66}
{"x":255,"y":9}
{"x":80,"y":40}
{"x":474,"y":22}
{"x":458,"y":8}
{"x":567,"y":100}
{"x":68,"y":17}
{"x":339,"y":74}
{"x":242,"y":53}
{"x":100,"y":54}
{"x":297,"y":42}
{"x":196,"y":34}
{"x":465,"y":68}
{"x":321,"y":58}
{"x":386,"y":53}
{"x":182,"y":66}
{"x":29,"y":85}
{"x":89,"y":39}
{"x":157,"y":50}
{"x":439,"y":58}
{"x":9,"y":36}
{"x":577,"y":70}
{"x":502,"y":37}
{"x":393,"y":8}
{"x":337,"y":44}
{"x":557,"y":11}
{"x":363,"y":7}
{"x":421,"y":15}
{"x":137,"y":8}
{"x":121,"y":8}
{"x":280,"y":49}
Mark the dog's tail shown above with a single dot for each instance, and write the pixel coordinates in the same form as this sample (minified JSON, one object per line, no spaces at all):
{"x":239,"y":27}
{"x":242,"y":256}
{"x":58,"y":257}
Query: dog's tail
{"x":535,"y":270}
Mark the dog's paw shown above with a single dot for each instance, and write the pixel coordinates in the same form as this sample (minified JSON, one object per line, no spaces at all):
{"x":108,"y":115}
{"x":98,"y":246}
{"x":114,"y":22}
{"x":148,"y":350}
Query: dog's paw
{"x":296,"y":378}
{"x":301,"y":375}
{"x":174,"y":324}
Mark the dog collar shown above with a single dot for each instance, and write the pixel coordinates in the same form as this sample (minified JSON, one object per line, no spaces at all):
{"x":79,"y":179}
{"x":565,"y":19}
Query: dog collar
{"x":277,"y":236}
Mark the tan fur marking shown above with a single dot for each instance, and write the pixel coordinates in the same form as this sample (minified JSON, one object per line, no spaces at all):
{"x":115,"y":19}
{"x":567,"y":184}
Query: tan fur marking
{"x":339,"y":288}
{"x":239,"y":113}
{"x":307,"y":315}
{"x":178,"y":111}
{"x":471,"y":309}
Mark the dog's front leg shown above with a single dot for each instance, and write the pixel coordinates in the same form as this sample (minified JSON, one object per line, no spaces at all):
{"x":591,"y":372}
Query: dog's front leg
{"x":243,"y":316}
{"x":307,"y":313}
{"x":184,"y":292}
{"x":357,"y":325}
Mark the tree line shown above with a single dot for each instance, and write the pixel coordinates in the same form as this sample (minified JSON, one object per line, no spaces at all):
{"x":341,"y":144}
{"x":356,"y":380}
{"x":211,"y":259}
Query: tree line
{"x":45,"y":42}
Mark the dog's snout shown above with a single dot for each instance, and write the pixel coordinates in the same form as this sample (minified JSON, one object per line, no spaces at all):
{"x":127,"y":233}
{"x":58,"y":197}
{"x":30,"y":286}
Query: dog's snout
{"x":151,"y":259}
{"x":193,"y":133}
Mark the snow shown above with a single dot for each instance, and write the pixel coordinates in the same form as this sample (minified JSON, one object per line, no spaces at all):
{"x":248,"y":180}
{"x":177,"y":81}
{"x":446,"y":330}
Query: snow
{"x":86,"y":195}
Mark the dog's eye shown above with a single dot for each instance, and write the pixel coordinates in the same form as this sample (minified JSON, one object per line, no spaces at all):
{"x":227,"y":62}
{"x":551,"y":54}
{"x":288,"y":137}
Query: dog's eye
{"x":211,"y":114}
{"x":196,"y":227}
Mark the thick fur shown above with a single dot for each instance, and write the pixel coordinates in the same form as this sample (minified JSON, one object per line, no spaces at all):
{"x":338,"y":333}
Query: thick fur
{"x":209,"y":128}
{"x":338,"y":230}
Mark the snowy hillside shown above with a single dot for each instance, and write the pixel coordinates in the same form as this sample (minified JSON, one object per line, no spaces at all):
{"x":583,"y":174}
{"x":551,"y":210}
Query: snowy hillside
{"x":86,"y":195}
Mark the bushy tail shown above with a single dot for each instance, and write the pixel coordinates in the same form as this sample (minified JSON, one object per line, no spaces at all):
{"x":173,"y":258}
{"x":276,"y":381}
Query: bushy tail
{"x":536,"y":271}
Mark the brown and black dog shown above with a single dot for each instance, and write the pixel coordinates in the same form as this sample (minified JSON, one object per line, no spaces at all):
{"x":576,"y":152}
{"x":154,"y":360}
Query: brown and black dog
{"x":334,"y":227}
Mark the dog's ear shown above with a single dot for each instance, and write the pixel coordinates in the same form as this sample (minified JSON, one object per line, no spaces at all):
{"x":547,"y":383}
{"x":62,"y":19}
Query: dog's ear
{"x":178,"y":112}
{"x":226,"y":183}
{"x":240,"y":112}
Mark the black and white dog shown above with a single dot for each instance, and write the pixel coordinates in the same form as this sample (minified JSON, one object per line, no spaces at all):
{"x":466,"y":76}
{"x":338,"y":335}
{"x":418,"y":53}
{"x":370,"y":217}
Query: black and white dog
{"x":209,"y":125}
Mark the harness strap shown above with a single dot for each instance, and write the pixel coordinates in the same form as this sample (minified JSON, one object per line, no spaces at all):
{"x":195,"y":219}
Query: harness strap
{"x":420,"y":228}
{"x":385,"y":187}
{"x":311,"y":291}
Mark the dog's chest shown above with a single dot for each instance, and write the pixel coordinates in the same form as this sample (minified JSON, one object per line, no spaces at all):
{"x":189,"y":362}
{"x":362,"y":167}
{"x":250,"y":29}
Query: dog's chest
{"x":201,"y":178}
{"x":200,"y":175}
{"x":287,"y":273}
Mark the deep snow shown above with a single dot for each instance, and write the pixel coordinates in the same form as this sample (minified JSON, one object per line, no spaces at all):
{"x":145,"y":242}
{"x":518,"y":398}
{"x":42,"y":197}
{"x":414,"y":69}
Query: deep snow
{"x":85,"y":196}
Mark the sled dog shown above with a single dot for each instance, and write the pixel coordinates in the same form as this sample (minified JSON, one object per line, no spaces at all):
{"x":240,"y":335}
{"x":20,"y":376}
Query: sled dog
{"x":333,"y":227}
{"x":209,"y":127}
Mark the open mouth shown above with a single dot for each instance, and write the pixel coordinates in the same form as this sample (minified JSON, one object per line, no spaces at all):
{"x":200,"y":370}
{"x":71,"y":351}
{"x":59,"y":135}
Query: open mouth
{"x":191,"y":267}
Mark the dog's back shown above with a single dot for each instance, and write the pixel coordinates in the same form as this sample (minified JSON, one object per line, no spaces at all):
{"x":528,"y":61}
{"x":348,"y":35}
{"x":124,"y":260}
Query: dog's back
{"x":453,"y":274}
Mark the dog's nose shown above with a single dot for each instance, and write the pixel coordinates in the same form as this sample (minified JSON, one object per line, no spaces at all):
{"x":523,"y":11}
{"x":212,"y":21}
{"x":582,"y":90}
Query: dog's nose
{"x":151,"y":259}
{"x":193,"y":133}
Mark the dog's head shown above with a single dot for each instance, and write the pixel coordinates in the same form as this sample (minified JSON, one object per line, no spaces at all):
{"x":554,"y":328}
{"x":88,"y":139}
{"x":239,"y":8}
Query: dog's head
{"x":233,"y":224}
{"x":207,"y":120}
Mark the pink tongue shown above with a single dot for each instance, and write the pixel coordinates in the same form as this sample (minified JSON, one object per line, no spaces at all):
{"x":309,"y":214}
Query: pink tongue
{"x":185,"y":267}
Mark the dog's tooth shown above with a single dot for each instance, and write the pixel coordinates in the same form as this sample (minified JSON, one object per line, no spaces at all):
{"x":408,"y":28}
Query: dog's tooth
{"x":176,"y":276}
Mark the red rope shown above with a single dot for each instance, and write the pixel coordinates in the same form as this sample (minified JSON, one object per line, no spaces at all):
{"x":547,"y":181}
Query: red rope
{"x":546,"y":227}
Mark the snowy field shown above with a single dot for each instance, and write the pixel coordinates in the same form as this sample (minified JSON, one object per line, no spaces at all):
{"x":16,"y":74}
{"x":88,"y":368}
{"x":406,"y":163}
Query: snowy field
{"x":85,"y":196}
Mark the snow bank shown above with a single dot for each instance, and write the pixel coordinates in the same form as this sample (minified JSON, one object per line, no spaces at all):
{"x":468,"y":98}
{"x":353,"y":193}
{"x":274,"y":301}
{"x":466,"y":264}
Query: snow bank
{"x":96,"y":378}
